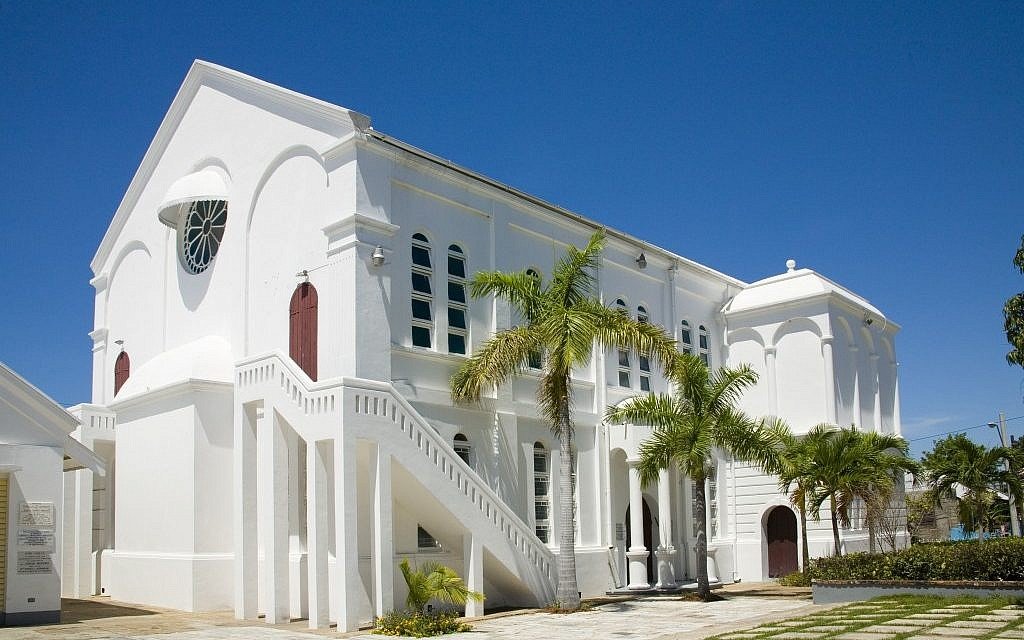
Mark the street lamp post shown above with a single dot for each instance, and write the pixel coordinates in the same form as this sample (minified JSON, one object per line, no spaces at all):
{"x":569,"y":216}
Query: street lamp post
{"x":1014,"y":522}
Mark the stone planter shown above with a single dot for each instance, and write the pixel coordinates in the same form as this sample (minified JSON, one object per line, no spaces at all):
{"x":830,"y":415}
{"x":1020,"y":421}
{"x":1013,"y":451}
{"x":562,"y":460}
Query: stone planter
{"x":831,"y":591}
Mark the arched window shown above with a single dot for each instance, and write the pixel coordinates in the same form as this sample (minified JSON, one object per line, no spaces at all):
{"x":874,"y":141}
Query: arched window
{"x":644,"y":360}
{"x":624,"y":365}
{"x":705,"y":353}
{"x":457,"y":309}
{"x":686,"y":337}
{"x":302,"y":328}
{"x":535,"y":358}
{"x":462,"y":447}
{"x":422,"y":292}
{"x":542,"y":492}
{"x":122,"y":369}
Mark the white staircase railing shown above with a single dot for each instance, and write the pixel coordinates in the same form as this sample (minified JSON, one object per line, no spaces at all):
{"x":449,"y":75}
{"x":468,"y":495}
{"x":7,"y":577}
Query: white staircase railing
{"x":374,"y":403}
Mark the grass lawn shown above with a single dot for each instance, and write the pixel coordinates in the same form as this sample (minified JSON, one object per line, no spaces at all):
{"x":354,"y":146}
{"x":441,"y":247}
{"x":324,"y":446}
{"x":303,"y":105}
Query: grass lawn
{"x":900,"y":618}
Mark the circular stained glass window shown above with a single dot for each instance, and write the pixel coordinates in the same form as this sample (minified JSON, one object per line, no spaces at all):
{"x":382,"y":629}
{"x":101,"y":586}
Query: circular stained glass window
{"x":201,"y":232}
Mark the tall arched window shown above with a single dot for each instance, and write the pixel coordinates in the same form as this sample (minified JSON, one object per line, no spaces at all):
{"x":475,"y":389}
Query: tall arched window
{"x":462,"y":447}
{"x":542,"y":492}
{"x":624,"y":365}
{"x":705,"y":352}
{"x":422,"y":292}
{"x":122,"y":369}
{"x":457,"y":306}
{"x":535,"y":359}
{"x":644,"y":360}
{"x":302,"y":328}
{"x":686,"y":337}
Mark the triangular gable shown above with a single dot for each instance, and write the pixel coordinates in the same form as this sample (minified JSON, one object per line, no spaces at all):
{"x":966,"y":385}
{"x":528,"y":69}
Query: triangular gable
{"x":317,"y":114}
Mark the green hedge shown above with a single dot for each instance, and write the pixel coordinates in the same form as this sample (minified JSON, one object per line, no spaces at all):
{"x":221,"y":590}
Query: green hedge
{"x":996,"y":560}
{"x":419,"y":625}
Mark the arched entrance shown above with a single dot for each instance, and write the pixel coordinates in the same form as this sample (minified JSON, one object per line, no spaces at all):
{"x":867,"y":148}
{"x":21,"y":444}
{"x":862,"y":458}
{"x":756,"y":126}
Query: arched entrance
{"x":648,"y":538}
{"x":780,"y":530}
{"x":302,"y":328}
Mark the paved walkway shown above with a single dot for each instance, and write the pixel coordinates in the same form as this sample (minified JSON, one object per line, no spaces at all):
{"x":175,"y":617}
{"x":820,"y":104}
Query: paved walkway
{"x":782,"y":615}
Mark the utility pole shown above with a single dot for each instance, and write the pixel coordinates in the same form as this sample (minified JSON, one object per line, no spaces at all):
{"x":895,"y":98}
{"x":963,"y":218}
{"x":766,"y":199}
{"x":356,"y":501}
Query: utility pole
{"x":1014,"y":522}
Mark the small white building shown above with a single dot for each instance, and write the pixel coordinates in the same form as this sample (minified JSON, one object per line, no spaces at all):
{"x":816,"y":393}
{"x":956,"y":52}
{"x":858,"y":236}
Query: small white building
{"x":280,"y":301}
{"x":35,"y":450}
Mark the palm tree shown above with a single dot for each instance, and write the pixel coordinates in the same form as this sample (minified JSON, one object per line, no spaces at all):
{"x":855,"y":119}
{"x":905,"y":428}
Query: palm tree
{"x":562,"y":319}
{"x":848,"y":464}
{"x":698,"y":417}
{"x":958,"y":463}
{"x":434,"y":581}
{"x":795,"y":472}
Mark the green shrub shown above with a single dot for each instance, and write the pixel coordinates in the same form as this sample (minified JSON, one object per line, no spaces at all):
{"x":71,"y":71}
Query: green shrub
{"x":995,"y":560}
{"x":419,"y":625}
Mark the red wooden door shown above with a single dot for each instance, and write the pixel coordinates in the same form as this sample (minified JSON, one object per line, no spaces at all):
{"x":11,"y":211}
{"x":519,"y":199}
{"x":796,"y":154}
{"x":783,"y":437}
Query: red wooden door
{"x":302,"y":328}
{"x":782,"y":546}
{"x":122,"y":368}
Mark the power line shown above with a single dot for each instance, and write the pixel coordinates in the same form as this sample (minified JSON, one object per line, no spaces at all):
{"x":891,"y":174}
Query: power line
{"x":961,"y":430}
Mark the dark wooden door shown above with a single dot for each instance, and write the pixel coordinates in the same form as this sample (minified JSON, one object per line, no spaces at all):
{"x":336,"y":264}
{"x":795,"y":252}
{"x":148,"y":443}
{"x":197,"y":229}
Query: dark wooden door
{"x":122,"y":369}
{"x":302,"y":328}
{"x":648,"y":539}
{"x":782,"y":545}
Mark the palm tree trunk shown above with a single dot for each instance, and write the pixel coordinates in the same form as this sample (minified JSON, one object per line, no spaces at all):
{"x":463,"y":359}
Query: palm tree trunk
{"x":805,"y":552}
{"x":835,"y":526}
{"x":703,"y":588}
{"x":568,"y":593}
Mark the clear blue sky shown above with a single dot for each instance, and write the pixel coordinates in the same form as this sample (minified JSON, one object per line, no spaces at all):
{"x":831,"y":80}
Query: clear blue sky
{"x":879,"y":144}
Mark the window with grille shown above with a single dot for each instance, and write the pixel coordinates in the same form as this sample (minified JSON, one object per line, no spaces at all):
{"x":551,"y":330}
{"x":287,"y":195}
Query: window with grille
{"x":625,"y":367}
{"x":535,"y":359}
{"x":425,"y":541}
{"x":643,"y":359}
{"x":686,"y":337}
{"x":542,"y":492}
{"x":705,"y":352}
{"x":458,"y":321}
{"x":422,"y":292}
{"x":462,"y":447}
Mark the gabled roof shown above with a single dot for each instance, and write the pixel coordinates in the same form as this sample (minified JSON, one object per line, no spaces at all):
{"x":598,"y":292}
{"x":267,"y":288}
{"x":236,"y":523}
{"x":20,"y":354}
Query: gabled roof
{"x":317,"y":113}
{"x":32,"y":417}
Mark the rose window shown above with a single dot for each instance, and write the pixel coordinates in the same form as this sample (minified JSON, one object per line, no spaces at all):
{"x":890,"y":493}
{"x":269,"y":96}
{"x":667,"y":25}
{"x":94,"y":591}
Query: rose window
{"x":201,"y":233}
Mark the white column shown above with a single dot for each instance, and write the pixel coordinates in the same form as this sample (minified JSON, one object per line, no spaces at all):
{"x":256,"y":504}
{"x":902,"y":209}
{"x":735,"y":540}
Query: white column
{"x":473,"y":561}
{"x":383,"y":534}
{"x":84,"y":566}
{"x":245,"y":545}
{"x":830,"y":380}
{"x":666,"y":551}
{"x":857,"y":381}
{"x":272,"y":454}
{"x":773,"y":388}
{"x":318,"y":456}
{"x":897,"y":427}
{"x":346,"y":570}
{"x":637,"y":552}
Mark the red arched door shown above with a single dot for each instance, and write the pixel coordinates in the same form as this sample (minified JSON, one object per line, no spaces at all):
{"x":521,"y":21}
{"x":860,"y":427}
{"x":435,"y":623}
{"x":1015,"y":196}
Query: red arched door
{"x":782,"y":551}
{"x":122,"y":367}
{"x":302,"y":328}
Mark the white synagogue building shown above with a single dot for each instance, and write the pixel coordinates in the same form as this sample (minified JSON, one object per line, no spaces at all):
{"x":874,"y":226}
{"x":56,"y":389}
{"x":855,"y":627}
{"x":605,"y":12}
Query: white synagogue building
{"x":280,"y":301}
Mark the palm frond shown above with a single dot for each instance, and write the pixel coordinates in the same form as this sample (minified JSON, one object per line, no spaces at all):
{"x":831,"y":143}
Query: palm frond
{"x":502,"y":357}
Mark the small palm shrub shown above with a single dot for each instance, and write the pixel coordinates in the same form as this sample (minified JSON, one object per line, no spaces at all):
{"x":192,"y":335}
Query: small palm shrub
{"x":432,"y":581}
{"x":419,"y":625}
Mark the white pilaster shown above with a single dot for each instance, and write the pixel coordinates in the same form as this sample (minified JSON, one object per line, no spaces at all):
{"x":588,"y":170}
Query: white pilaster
{"x":383,"y":534}
{"x":877,"y":412}
{"x":773,"y":385}
{"x":830,"y":380}
{"x":318,"y":456}
{"x":272,"y":454}
{"x":637,"y":552}
{"x":473,"y":561}
{"x":346,"y":571}
{"x":245,"y":544}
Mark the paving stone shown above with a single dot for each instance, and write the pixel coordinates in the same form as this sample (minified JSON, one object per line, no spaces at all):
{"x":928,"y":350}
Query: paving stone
{"x":1011,"y":634}
{"x":966,"y":606}
{"x":957,"y":632}
{"x":797,"y":635}
{"x":930,"y":616}
{"x":977,"y":624}
{"x":826,"y":628}
{"x":860,"y":635}
{"x":993,"y":617}
{"x":791,"y":623}
{"x":904,"y":622}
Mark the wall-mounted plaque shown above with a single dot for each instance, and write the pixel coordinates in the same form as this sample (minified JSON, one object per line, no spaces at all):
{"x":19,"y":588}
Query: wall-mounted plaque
{"x":36,"y":514}
{"x":42,"y":538}
{"x":34,"y":562}
{"x":620,"y":532}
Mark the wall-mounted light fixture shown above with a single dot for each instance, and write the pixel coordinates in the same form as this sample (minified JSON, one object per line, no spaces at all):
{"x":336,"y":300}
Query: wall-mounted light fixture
{"x":304,"y":274}
{"x":641,"y":260}
{"x":377,"y":257}
{"x":867,"y":320}
{"x":119,"y":343}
